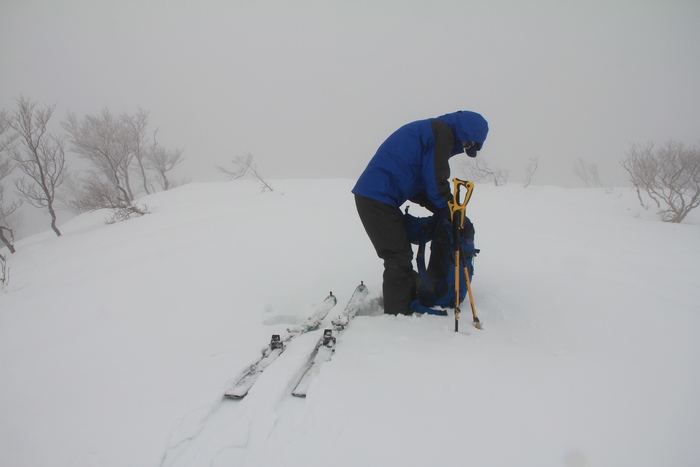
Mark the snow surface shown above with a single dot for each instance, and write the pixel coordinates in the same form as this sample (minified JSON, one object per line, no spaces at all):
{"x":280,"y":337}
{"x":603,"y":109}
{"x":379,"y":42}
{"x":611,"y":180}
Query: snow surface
{"x":117,"y":341}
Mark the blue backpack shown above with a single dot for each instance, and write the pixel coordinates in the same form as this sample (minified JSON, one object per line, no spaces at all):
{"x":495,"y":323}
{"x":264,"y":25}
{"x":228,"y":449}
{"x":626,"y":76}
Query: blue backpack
{"x":436,"y":281}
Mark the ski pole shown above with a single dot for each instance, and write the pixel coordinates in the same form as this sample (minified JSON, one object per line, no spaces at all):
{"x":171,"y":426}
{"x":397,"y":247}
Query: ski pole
{"x":457,"y":211}
{"x":477,"y":323}
{"x":455,"y":246}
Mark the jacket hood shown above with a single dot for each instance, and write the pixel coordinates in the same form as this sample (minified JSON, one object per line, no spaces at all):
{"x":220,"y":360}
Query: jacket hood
{"x":466,"y":126}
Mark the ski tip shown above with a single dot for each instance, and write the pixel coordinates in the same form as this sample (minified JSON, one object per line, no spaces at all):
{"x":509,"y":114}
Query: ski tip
{"x":235,"y":397}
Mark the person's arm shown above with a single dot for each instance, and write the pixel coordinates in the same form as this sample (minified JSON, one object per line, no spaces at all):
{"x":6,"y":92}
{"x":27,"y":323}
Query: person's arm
{"x":444,"y":142}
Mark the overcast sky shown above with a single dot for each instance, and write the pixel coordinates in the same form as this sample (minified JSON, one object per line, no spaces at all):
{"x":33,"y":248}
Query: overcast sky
{"x":312,"y":88}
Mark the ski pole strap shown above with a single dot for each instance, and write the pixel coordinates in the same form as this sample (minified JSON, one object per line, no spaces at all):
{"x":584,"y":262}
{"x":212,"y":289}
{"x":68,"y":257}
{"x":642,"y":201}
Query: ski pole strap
{"x":458,"y":205}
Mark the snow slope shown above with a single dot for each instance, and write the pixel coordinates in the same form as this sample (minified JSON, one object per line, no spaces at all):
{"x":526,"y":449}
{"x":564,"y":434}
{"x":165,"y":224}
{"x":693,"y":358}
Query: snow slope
{"x":117,"y":341}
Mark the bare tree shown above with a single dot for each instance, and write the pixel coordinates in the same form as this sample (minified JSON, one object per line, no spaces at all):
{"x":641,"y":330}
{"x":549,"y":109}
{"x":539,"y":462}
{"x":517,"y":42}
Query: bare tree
{"x":242,"y":165}
{"x":669,"y":174}
{"x":530,"y":170}
{"x":6,"y":236}
{"x":104,"y":141}
{"x":588,"y":172}
{"x":38,"y":154}
{"x":135,"y":139}
{"x":7,"y":208}
{"x":4,"y":126}
{"x":90,"y":192}
{"x":163,"y":161}
{"x":4,"y":271}
{"x":480,"y":169}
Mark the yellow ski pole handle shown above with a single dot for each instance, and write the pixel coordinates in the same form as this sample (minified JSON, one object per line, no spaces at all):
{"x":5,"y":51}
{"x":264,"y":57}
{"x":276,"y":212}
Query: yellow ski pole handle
{"x":460,"y":206}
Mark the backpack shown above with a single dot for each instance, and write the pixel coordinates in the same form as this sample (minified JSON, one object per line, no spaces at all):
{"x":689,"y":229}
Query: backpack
{"x":436,"y":281}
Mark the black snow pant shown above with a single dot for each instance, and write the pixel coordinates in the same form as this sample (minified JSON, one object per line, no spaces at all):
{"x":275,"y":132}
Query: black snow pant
{"x":384,"y":226}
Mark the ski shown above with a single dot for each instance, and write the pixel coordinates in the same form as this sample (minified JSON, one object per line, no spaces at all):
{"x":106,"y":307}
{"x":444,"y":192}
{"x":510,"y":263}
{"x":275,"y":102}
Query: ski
{"x":326,"y":345}
{"x":242,"y":385}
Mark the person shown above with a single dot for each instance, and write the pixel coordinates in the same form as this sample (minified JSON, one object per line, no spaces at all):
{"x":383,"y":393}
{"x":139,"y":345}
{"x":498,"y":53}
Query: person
{"x":411,"y":165}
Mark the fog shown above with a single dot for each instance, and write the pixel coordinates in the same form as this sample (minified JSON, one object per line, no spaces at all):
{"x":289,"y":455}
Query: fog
{"x":311,"y":88}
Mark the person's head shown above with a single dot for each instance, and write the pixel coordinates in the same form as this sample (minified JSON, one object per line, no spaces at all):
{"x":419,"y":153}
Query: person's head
{"x":469,"y":130}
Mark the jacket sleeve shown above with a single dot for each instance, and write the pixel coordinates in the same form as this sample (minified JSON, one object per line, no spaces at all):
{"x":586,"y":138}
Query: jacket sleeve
{"x":423,"y":200}
{"x":444,"y":143}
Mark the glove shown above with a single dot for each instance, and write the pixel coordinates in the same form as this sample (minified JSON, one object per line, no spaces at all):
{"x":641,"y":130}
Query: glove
{"x":443,"y":213}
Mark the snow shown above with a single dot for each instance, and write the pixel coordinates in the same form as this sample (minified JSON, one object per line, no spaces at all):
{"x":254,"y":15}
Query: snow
{"x":117,"y":341}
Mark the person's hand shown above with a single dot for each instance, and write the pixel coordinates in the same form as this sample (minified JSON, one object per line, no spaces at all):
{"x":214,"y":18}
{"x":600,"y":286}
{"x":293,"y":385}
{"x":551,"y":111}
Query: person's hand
{"x":443,"y":213}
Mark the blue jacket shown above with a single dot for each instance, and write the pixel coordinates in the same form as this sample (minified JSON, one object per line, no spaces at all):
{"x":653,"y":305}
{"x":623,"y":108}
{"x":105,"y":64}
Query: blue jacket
{"x":412,"y":164}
